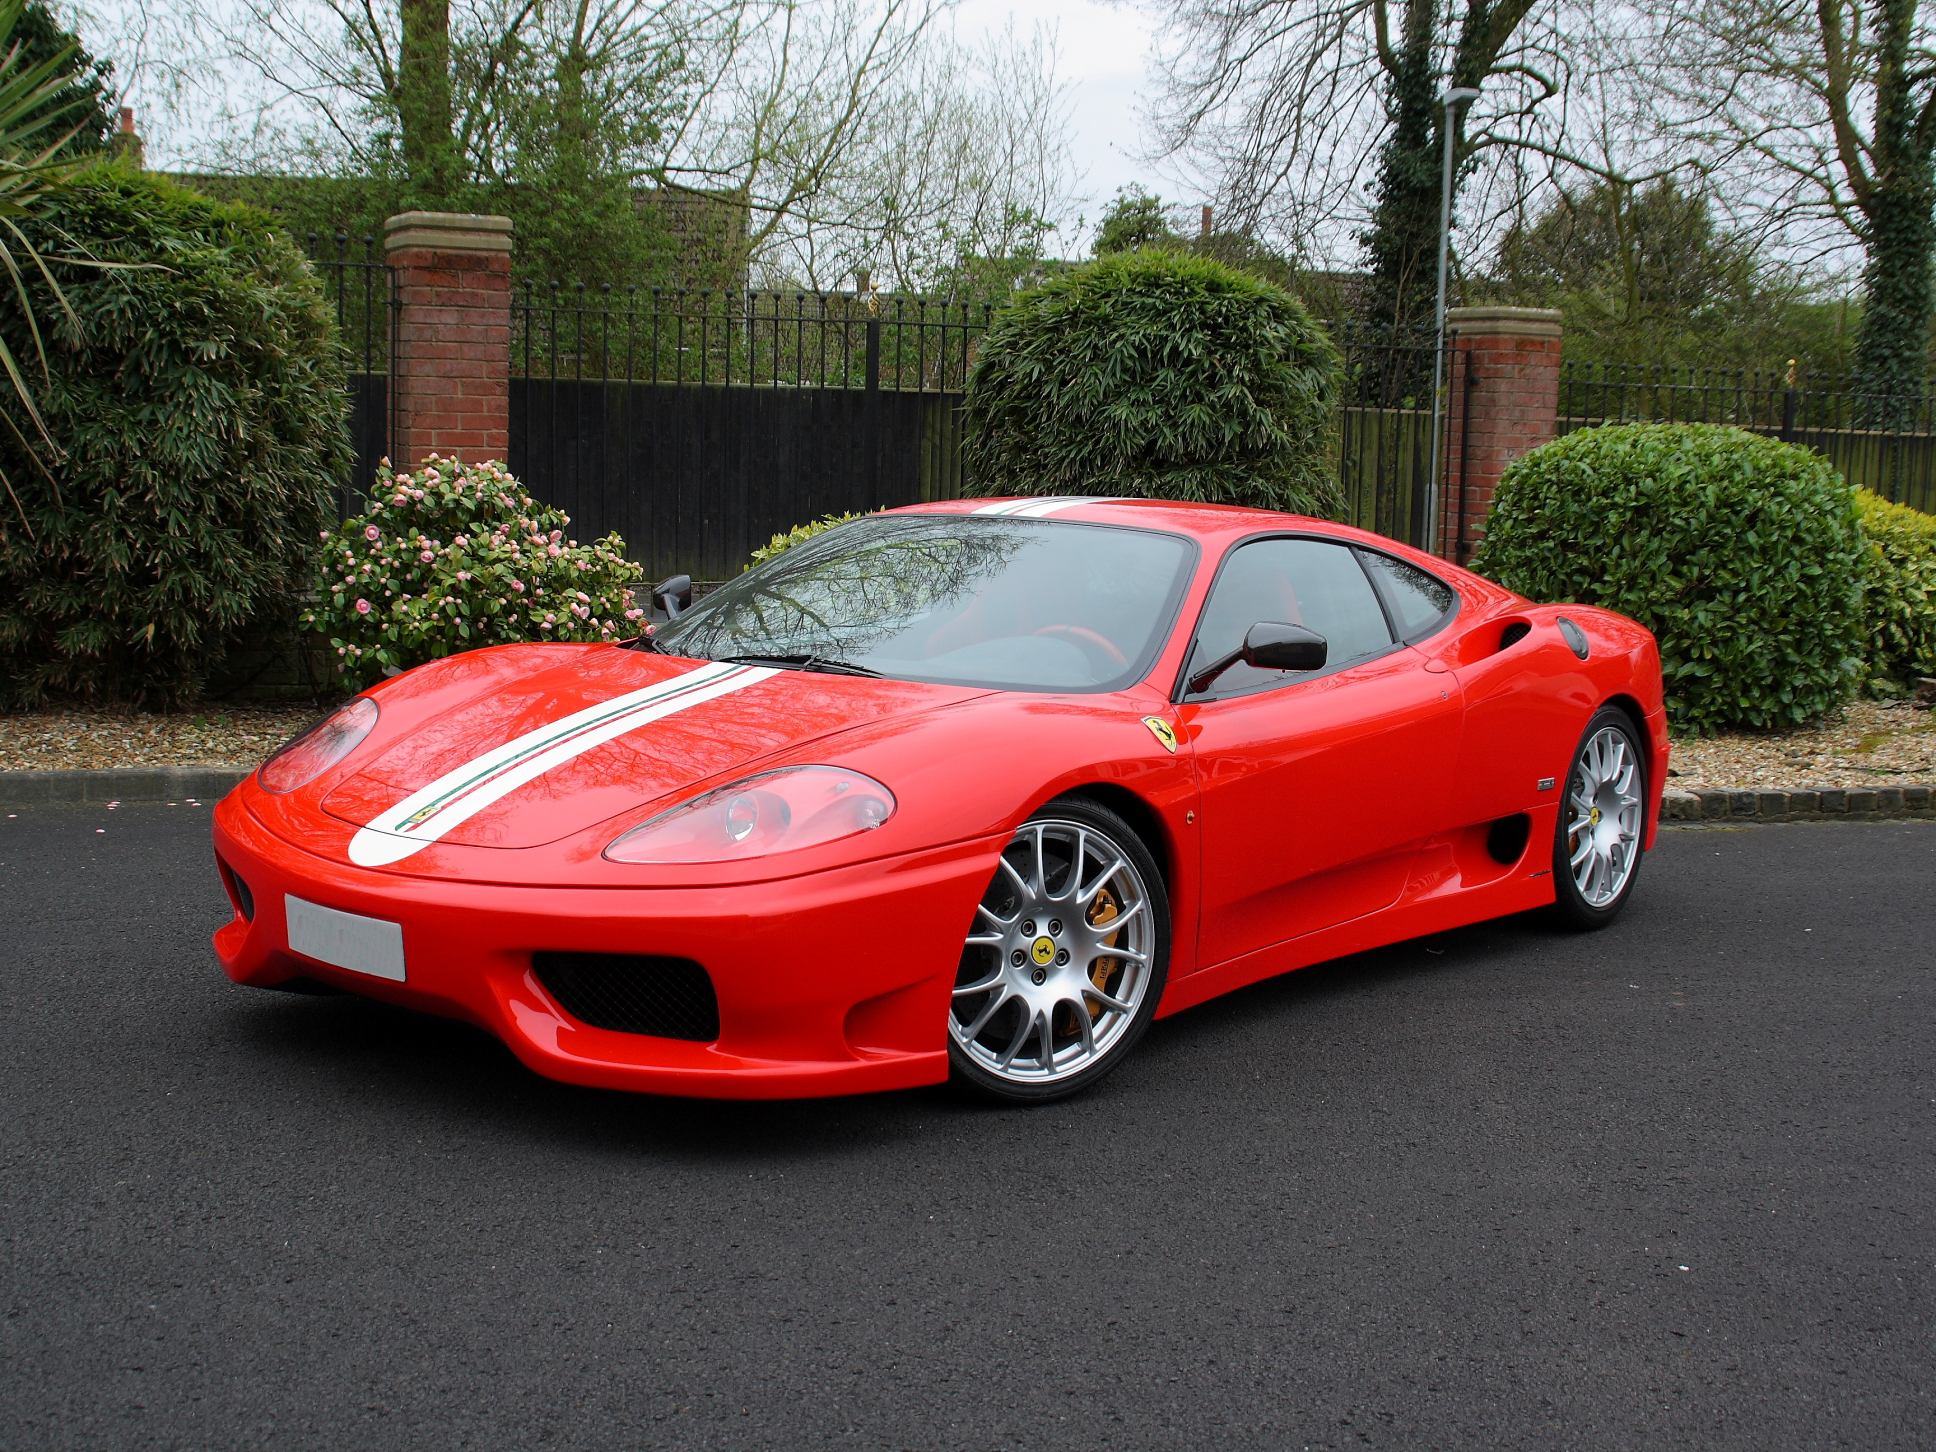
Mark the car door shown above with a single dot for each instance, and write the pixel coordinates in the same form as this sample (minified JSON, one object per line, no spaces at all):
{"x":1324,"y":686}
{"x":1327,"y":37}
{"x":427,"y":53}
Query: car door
{"x":1316,"y":786}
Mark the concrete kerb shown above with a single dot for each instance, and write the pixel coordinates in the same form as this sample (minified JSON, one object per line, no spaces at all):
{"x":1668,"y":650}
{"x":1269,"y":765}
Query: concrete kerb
{"x":120,"y":784}
{"x":1813,"y":804}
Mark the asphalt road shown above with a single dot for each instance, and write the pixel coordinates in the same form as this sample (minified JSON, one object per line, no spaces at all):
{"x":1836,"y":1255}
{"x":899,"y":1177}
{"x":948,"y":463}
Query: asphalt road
{"x":1668,"y":1185}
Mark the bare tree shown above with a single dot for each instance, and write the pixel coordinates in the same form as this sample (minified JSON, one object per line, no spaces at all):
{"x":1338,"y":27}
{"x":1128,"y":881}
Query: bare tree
{"x":1318,"y":121}
{"x":966,"y":162}
{"x":1823,"y":112}
{"x":849,"y":134}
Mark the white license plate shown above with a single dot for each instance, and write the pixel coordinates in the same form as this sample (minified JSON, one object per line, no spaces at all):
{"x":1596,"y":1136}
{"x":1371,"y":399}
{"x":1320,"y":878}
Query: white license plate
{"x":345,"y":940}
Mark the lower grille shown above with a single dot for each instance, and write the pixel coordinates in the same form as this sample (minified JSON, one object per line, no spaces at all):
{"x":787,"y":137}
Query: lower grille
{"x":630,"y":993}
{"x":238,"y":890}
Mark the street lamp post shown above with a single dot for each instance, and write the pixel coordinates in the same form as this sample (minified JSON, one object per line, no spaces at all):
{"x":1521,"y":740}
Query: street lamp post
{"x":1455,"y":101}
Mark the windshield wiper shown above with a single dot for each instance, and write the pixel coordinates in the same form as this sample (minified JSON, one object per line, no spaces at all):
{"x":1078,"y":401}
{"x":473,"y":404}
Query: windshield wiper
{"x":809,"y":662}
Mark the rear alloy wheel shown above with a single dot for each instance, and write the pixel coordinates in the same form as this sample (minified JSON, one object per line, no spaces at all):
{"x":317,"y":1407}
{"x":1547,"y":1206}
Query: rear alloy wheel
{"x":1066,"y":960}
{"x":1603,"y":820}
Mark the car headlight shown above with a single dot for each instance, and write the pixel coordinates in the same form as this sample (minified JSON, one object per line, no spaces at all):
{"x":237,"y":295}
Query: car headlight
{"x":319,"y":748}
{"x":776,"y":811}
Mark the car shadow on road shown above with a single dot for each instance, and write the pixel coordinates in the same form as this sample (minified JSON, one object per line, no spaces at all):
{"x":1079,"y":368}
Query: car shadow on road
{"x":374,"y":1059}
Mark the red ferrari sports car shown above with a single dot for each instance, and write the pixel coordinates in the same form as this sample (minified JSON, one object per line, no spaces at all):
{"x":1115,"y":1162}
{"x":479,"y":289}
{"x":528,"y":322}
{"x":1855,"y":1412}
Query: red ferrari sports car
{"x":969,"y":789}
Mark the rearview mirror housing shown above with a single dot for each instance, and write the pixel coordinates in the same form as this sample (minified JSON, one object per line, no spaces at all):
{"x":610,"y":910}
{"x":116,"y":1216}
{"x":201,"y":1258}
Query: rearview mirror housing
{"x":1271,"y":646}
{"x":673,"y":596}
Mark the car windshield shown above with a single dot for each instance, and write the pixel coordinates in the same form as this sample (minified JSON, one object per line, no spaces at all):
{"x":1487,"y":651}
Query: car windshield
{"x":1017,"y":604}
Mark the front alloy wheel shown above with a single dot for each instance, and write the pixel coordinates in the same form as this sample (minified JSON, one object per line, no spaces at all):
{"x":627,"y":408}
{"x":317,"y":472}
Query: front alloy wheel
{"x":1066,"y":960}
{"x":1603,"y":821}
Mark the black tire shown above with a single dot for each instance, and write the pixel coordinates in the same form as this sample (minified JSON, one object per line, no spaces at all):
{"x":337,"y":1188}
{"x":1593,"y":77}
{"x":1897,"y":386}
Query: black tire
{"x":1013,"y":1000}
{"x":1573,"y":906}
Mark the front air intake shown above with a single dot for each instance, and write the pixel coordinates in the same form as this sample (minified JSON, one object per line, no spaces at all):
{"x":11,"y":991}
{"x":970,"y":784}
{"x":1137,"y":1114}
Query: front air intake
{"x":631,"y":993}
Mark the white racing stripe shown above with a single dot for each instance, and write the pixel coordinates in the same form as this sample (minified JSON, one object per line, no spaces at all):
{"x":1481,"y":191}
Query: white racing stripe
{"x":457,"y":796}
{"x":1037,"y":508}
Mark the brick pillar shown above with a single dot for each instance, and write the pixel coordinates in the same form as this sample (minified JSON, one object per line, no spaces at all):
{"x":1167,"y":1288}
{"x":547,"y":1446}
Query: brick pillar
{"x":1504,"y":399}
{"x":450,"y":375}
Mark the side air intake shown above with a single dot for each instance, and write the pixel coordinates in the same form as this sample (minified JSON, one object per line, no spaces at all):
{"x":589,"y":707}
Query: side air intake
{"x":633,"y":993}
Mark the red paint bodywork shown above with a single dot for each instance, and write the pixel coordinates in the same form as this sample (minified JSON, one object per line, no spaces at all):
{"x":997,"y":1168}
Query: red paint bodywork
{"x":1292,"y":826}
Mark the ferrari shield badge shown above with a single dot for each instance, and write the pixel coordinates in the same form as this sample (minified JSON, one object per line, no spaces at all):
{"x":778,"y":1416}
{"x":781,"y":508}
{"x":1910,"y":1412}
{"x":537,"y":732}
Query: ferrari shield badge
{"x":1162,"y":731}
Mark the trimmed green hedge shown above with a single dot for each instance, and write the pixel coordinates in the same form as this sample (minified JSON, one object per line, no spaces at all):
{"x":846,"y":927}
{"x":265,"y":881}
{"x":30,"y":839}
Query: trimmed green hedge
{"x":1742,"y":554}
{"x":1900,"y":594}
{"x":200,"y":404}
{"x":1160,"y":375}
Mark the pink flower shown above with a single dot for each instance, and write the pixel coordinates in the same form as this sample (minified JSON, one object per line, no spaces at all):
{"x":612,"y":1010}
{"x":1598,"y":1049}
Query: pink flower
{"x":362,"y":607}
{"x":553,"y":551}
{"x":323,"y":535}
{"x":428,"y":556}
{"x":463,"y":574}
{"x":373,"y":533}
{"x":556,"y":535}
{"x":518,"y":585}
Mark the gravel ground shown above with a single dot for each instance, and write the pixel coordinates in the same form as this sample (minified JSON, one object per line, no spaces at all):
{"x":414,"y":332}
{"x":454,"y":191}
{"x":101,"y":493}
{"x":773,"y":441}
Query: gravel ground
{"x":1873,"y":744}
{"x":215,"y":736}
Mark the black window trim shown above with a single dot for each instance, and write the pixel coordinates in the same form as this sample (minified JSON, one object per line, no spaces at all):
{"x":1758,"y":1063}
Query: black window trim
{"x":1180,"y":690}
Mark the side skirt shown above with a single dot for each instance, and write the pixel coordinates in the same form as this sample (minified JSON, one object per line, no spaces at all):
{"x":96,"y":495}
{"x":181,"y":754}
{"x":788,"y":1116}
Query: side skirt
{"x":1450,"y":887}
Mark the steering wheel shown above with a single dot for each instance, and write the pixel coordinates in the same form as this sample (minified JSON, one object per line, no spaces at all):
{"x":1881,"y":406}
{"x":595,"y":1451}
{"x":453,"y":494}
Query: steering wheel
{"x":1089,"y":641}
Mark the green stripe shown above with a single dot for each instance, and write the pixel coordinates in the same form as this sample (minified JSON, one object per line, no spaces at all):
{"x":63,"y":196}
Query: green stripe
{"x":431,"y":809}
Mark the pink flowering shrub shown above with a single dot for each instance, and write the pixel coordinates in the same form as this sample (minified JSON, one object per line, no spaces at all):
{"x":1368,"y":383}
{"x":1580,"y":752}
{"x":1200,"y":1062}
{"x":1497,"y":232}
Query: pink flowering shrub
{"x":458,"y":556}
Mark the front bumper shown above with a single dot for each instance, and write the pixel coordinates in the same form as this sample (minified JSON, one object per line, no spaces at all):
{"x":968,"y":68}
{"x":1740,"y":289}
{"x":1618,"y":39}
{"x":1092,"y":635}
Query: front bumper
{"x":837,"y":982}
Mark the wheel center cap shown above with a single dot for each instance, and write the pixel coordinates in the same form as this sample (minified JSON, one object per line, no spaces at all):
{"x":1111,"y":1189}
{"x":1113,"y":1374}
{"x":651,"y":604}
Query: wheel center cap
{"x":1594,"y":819}
{"x":1043,"y":951}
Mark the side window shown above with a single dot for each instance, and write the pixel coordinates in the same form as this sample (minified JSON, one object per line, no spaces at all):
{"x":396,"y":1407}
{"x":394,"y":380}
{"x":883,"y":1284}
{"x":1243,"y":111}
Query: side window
{"x":1298,"y":582}
{"x":1417,"y":600}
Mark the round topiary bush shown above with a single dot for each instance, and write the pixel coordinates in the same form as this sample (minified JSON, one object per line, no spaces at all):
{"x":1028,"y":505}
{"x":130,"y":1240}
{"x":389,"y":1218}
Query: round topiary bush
{"x":1161,"y":375}
{"x":1741,"y":554}
{"x":1899,"y":597}
{"x":458,"y":556}
{"x":199,"y":407}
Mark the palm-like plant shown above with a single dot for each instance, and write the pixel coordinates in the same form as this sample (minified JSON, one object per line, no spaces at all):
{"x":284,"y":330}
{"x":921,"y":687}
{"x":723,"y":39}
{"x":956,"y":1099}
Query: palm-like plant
{"x":33,"y":170}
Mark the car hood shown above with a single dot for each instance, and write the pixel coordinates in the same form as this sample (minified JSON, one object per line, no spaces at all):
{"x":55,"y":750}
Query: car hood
{"x":568,"y":746}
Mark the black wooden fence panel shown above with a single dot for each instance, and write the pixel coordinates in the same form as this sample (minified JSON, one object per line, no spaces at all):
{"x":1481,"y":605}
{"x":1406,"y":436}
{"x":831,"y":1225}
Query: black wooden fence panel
{"x":696,"y":477}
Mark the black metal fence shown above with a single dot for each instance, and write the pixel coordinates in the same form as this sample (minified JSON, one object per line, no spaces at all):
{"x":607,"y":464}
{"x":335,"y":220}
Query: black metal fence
{"x":356,"y":281}
{"x":698,"y":425}
{"x":1886,"y":444}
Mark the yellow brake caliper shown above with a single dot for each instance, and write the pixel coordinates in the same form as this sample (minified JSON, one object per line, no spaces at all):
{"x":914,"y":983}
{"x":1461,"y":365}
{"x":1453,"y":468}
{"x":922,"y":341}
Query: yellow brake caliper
{"x":1104,"y":910}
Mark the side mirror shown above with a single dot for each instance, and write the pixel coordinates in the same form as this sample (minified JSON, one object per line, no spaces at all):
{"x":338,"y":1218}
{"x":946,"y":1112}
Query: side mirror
{"x":1268,"y":645}
{"x":1273,"y":647}
{"x":674,"y":596}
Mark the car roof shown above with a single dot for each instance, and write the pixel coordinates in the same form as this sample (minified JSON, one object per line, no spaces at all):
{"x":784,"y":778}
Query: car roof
{"x":1211,"y":523}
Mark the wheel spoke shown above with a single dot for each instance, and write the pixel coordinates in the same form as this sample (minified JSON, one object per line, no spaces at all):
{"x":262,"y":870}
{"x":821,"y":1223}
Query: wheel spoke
{"x":1021,"y":882}
{"x":1107,"y":1000}
{"x":985,"y":986}
{"x":1083,"y":1024}
{"x":1076,"y":865}
{"x":1583,"y":851}
{"x":994,"y":917}
{"x":1040,"y":887}
{"x":1088,"y":895}
{"x":1024,"y":1031}
{"x":989,"y":1010}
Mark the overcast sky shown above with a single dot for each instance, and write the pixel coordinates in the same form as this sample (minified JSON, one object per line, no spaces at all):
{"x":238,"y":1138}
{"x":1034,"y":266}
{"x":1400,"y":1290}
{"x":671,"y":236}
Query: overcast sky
{"x":1103,"y":50}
